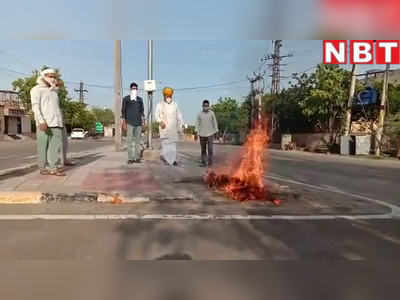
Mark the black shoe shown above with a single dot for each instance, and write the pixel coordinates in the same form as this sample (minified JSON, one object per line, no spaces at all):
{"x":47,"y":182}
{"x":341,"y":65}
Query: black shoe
{"x":175,"y":164}
{"x":130,"y":162}
{"x":137,"y":161}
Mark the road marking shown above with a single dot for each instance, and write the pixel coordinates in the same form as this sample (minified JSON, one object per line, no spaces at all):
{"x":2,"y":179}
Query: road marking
{"x":395,"y":209}
{"x":94,"y":217}
{"x":30,"y":157}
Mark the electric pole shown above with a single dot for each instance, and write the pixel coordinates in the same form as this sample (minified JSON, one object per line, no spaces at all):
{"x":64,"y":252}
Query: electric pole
{"x":150,"y":94}
{"x":257,"y":90}
{"x":276,"y":58}
{"x":81,"y":92}
{"x":350,"y":101}
{"x":379,"y":132}
{"x":117,"y":95}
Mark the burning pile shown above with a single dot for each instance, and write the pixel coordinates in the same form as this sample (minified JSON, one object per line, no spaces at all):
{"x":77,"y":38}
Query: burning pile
{"x":246,"y":181}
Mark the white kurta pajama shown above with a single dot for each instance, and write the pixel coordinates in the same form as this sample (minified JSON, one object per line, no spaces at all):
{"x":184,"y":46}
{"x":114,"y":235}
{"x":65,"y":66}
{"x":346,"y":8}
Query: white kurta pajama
{"x":170,"y":114}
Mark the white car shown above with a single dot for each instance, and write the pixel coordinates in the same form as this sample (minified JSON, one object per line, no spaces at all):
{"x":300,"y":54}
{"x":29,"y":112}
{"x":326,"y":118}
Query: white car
{"x":78,"y":133}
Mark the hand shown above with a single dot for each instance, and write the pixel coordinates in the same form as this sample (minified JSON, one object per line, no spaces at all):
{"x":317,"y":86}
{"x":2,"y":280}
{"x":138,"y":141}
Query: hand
{"x":124,"y":126}
{"x":163,"y":125}
{"x":43,"y":127}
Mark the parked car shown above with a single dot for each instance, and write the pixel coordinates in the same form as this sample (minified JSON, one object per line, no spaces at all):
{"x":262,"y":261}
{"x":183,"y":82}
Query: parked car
{"x":78,"y":133}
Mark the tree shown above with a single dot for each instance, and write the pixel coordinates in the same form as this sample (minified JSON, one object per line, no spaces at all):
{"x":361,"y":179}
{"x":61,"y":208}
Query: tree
{"x":227,"y":113}
{"x":104,"y":116}
{"x":76,"y":115}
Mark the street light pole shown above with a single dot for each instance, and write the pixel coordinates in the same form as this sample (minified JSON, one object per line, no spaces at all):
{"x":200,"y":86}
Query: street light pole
{"x":150,"y":94}
{"x":117,"y":95}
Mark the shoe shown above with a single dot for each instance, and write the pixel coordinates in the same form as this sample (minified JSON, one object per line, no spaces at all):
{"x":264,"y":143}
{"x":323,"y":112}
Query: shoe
{"x":130,"y":162}
{"x":203,"y":165}
{"x":175,"y":164}
{"x":137,"y":161}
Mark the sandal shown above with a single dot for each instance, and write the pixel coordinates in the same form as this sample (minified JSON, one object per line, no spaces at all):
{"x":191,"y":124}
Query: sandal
{"x":44,"y":172}
{"x":59,"y":173}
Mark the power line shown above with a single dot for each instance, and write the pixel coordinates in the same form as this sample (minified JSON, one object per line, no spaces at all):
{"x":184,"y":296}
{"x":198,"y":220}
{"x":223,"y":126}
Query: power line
{"x":111,"y":87}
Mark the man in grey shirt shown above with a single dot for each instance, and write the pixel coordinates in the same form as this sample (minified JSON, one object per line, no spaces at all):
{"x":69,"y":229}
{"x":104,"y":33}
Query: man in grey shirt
{"x":207,"y":127}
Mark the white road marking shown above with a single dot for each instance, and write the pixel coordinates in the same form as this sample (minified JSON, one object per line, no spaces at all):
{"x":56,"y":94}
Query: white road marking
{"x":94,"y":217}
{"x":395,"y":209}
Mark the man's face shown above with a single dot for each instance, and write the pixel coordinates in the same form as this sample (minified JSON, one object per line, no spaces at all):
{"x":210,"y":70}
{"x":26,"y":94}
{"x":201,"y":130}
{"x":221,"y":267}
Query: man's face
{"x":51,"y":78}
{"x":206,"y":107}
{"x":134,"y":91}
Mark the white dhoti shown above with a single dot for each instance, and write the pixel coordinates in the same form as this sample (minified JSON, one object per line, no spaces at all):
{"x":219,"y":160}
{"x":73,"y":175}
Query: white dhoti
{"x":168,"y":151}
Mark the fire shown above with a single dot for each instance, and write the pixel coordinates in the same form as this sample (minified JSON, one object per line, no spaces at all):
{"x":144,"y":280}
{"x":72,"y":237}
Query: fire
{"x":246,"y":181}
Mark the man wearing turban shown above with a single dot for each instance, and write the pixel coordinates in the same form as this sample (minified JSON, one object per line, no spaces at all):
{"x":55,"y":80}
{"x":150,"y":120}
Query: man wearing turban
{"x":170,"y":119}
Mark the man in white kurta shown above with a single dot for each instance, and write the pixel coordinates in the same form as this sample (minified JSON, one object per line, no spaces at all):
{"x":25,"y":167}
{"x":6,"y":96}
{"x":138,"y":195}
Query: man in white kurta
{"x":170,"y":119}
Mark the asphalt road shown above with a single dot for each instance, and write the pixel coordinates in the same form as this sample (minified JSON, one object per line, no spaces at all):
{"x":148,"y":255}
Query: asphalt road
{"x":273,"y":259}
{"x":16,"y":154}
{"x":218,"y":259}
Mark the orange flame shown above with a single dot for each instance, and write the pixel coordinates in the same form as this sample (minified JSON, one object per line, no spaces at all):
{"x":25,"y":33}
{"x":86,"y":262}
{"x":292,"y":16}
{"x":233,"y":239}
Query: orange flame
{"x":246,"y":183}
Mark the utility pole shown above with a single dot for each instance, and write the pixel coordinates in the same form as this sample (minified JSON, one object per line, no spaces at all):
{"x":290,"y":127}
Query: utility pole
{"x":350,"y":101}
{"x":260,"y":93}
{"x":379,"y":132}
{"x":81,"y":91}
{"x":257,"y":90}
{"x":252,"y":101}
{"x":150,"y":94}
{"x":276,"y":58}
{"x":117,"y":95}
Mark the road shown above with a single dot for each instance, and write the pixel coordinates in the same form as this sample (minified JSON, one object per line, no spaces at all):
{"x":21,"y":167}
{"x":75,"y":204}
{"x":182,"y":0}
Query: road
{"x":16,"y":154}
{"x":224,"y":259}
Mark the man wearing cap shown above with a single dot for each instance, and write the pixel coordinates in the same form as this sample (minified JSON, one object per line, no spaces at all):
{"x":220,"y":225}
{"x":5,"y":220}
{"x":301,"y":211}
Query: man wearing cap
{"x":49,"y":122}
{"x":170,"y":119}
{"x":132,"y":116}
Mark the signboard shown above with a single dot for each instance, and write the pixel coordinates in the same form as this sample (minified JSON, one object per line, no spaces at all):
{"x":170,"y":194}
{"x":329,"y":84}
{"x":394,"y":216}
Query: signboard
{"x":367,"y":96}
{"x":149,"y":85}
{"x":99,"y":127}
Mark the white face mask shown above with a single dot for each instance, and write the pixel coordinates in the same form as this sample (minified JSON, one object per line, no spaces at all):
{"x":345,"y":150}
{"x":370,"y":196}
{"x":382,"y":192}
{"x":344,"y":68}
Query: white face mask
{"x":134,"y":94}
{"x":168,"y":99}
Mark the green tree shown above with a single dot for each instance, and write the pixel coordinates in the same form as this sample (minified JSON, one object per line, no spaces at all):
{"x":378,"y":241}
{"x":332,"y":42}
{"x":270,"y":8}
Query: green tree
{"x":227,"y":112}
{"x":104,"y":116}
{"x":76,"y":115}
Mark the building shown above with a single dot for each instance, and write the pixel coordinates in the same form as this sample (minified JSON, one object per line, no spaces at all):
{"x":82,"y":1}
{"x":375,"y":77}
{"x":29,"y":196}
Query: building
{"x":394,"y":76}
{"x":13,"y":118}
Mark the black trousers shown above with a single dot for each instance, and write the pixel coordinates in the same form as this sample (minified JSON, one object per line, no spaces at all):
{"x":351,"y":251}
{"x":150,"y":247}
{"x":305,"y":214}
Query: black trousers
{"x":207,"y":143}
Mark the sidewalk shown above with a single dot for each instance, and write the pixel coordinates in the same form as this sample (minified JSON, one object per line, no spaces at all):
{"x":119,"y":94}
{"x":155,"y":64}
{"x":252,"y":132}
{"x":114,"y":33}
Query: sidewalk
{"x":149,"y":188}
